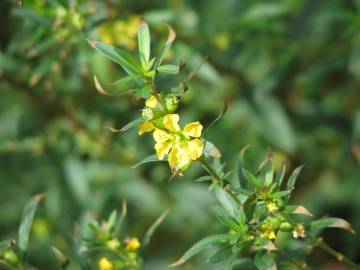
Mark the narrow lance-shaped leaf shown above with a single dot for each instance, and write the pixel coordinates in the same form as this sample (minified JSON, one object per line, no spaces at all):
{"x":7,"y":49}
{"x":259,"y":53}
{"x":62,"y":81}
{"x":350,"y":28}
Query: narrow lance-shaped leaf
{"x":331,"y":223}
{"x":116,"y":92}
{"x":168,"y":69}
{"x":202,"y":245}
{"x":26,"y":222}
{"x":221,"y":255}
{"x":227,"y":201}
{"x":222,"y":113}
{"x":149,"y":233}
{"x":238,"y":179}
{"x":61,"y":258}
{"x":144,"y":42}
{"x":151,"y":158}
{"x":125,"y":60}
{"x":292,"y":179}
{"x":128,"y":126}
{"x":120,"y":220}
{"x":253,"y":181}
{"x":165,"y":49}
{"x":279,"y":178}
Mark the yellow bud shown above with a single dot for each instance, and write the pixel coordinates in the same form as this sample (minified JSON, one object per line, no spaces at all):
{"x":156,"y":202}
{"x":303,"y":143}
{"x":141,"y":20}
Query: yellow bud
{"x":133,"y":244}
{"x":151,"y":102}
{"x":105,"y":264}
{"x":193,"y":129}
{"x":272,"y":207}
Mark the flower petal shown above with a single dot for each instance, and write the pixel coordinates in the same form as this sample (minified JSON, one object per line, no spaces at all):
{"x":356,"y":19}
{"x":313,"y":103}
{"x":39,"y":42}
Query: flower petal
{"x":161,"y":136}
{"x":145,"y":127}
{"x":171,"y":121}
{"x":151,"y":102}
{"x":194,"y":148}
{"x":193,"y":129}
{"x":178,"y":158}
{"x":162,"y":149}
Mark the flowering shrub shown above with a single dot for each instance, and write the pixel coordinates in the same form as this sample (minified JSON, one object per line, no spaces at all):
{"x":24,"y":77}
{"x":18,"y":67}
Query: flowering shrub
{"x":254,"y":207}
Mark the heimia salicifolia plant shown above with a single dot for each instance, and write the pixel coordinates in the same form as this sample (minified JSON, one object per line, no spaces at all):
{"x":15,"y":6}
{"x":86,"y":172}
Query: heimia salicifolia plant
{"x":254,"y":207}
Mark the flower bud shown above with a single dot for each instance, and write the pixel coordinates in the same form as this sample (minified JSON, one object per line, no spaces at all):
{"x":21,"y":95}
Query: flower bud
{"x":147,"y":114}
{"x":11,"y":257}
{"x":172,"y":102}
{"x":285,"y":226}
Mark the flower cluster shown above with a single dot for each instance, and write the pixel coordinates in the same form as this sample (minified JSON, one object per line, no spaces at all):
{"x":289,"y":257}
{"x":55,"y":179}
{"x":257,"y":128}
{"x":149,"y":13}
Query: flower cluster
{"x":180,"y":145}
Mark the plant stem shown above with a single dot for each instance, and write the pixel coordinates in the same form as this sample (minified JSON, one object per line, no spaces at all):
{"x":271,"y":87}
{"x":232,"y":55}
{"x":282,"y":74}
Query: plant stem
{"x":211,"y":170}
{"x":336,"y":254}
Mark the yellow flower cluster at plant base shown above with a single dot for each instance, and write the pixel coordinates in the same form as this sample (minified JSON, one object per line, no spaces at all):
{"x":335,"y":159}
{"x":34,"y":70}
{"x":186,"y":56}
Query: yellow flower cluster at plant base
{"x":181,"y":145}
{"x":105,"y":264}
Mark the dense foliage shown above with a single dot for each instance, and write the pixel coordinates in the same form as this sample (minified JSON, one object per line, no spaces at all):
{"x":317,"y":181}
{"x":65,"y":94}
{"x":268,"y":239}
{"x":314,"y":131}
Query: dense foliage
{"x":287,"y":69}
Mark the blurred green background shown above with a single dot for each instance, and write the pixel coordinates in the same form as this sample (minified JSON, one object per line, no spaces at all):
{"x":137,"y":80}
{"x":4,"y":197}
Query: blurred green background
{"x":290,"y":70}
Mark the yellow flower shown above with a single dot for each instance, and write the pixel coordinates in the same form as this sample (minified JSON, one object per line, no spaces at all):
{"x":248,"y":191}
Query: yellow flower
{"x":267,"y":231}
{"x":161,"y":136}
{"x":194,"y":148}
{"x":272,"y":207}
{"x":162,"y":149}
{"x":171,"y":121}
{"x":193,"y":129}
{"x":133,"y":244}
{"x":178,"y":158}
{"x":151,"y":102}
{"x":105,"y":264}
{"x":145,"y":127}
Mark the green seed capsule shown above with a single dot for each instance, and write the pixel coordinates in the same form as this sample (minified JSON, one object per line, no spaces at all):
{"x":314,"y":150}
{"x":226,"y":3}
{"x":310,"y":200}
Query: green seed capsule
{"x":286,"y":226}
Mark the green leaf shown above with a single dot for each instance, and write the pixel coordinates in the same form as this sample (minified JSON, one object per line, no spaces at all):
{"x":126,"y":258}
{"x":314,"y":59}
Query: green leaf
{"x":128,"y":126}
{"x":168,"y":69}
{"x":331,"y":223}
{"x":116,"y":92}
{"x":227,"y":201}
{"x":26,"y":222}
{"x":112,"y":220}
{"x":125,"y":60}
{"x":120,"y":220}
{"x":252,"y":180}
{"x":149,"y":233}
{"x":222,"y":113}
{"x":151,"y":158}
{"x":266,"y":170}
{"x":165,"y":49}
{"x":292,"y":254}
{"x":297,"y":209}
{"x":292,"y":179}
{"x":279,"y":178}
{"x":221,"y":255}
{"x":144,"y":42}
{"x":224,"y":217}
{"x":202,"y":245}
{"x":243,"y":263}
{"x":203,"y":178}
{"x":123,"y":82}
{"x":264,"y":261}
{"x":61,"y":258}
{"x":238,"y":179}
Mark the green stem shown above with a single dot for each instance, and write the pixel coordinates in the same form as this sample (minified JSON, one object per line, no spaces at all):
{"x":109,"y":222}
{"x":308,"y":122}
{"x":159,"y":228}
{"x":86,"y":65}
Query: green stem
{"x":336,"y":254}
{"x":211,"y":170}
